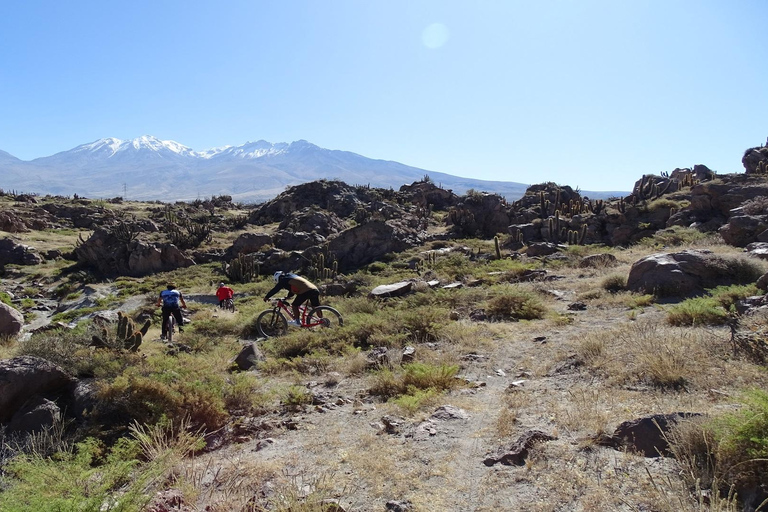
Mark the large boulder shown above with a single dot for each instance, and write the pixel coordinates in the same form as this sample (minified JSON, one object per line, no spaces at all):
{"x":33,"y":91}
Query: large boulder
{"x":368,"y":242}
{"x":11,"y":320}
{"x":742,"y":230}
{"x":680,"y":274}
{"x":248,"y":243}
{"x":313,"y":220}
{"x":35,"y":415}
{"x":481,"y":214}
{"x":12,"y":223}
{"x":426,"y":194}
{"x":752,"y":159}
{"x":17,"y":254}
{"x":26,"y":376}
{"x":297,"y":240}
{"x":111,"y":256}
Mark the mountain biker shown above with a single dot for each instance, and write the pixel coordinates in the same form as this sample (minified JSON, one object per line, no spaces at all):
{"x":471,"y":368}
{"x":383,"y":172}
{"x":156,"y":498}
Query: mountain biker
{"x":169,"y":299}
{"x":223,"y":293}
{"x":303,"y":289}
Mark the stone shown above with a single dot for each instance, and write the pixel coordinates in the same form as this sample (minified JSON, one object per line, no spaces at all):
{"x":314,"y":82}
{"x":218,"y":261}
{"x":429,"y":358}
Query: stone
{"x":12,"y":253}
{"x":681,"y":274}
{"x":449,"y":412}
{"x":392,"y":290}
{"x":11,"y":320}
{"x":646,"y":435}
{"x":601,"y":260}
{"x":518,"y":452}
{"x":37,"y":414}
{"x":248,"y":357}
{"x":25,"y":376}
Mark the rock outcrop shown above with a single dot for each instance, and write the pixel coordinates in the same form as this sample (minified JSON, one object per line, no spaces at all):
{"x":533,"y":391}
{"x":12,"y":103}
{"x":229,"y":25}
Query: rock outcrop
{"x":111,"y":256}
{"x":681,"y":274}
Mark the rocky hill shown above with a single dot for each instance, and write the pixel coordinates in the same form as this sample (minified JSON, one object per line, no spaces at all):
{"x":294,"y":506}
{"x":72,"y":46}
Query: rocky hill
{"x":557,"y":352}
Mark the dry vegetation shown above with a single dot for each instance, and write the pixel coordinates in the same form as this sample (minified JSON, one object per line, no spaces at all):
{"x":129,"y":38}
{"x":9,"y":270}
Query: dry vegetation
{"x":307,"y":426}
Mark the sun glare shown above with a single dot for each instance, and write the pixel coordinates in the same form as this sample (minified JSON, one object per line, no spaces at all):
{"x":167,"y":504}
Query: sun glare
{"x":435,"y":35}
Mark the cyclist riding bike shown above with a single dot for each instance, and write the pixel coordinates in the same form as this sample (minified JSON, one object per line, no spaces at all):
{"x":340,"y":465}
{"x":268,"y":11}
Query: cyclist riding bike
{"x":302,"y":288}
{"x":170,"y":299}
{"x":223,"y":293}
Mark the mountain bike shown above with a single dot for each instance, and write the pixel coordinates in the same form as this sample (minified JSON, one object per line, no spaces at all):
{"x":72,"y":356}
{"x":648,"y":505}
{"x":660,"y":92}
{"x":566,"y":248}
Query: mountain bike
{"x":274,"y":322}
{"x":170,"y":327}
{"x":228,"y":305}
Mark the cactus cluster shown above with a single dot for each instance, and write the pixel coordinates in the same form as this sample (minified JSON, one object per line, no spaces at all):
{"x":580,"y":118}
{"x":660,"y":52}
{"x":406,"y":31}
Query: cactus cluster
{"x":497,"y":247}
{"x":127,"y":336}
{"x":323,"y":267}
{"x":242,"y":268}
{"x":124,"y":231}
{"x":567,"y":209}
{"x":576,"y":237}
{"x":689,"y":181}
{"x":649,"y":188}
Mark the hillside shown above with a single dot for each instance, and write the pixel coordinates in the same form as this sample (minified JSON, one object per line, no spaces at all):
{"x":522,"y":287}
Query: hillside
{"x":147,"y":169}
{"x":557,"y":352}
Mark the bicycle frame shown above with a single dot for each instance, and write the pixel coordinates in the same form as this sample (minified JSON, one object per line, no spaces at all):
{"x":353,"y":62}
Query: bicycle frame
{"x":288,"y":311}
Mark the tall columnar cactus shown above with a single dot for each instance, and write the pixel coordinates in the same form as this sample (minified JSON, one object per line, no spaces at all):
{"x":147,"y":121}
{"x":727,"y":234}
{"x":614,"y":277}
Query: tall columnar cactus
{"x":497,"y":247}
{"x":243,"y":268}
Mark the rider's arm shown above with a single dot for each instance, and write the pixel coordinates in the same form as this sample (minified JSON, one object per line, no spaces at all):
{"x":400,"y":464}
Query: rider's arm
{"x":181,"y":299}
{"x":273,"y":291}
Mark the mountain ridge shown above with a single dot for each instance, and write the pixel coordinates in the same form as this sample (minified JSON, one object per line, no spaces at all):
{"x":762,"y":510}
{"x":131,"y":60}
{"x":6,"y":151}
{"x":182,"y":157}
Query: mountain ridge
{"x":148,"y":168}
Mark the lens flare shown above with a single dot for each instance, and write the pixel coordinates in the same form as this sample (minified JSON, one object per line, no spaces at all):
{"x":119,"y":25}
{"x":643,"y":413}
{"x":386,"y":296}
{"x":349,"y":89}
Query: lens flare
{"x":435,"y":35}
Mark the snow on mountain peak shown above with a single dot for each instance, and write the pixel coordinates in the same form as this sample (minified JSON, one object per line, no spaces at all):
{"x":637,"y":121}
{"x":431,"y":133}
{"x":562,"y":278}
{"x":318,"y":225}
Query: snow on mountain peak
{"x":111,"y":146}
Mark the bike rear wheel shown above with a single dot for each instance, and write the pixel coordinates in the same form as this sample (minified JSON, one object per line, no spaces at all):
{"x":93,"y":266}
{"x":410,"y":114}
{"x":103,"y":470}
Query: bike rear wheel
{"x":229,"y":305}
{"x":170,"y":325}
{"x":271,"y":323}
{"x":326,"y":317}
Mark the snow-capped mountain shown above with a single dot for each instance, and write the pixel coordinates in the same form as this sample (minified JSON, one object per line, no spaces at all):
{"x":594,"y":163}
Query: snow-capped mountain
{"x":148,"y":168}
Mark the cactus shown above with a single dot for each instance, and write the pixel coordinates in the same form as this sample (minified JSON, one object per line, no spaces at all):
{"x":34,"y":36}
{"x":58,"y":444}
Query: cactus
{"x":127,"y":336}
{"x":583,"y":234}
{"x":243,"y":268}
{"x":496,"y":246}
{"x":124,"y":232}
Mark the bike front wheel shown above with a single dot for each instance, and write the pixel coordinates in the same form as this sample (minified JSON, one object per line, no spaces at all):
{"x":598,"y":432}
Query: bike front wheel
{"x":229,"y":305}
{"x":271,"y":323}
{"x":324,"y":317}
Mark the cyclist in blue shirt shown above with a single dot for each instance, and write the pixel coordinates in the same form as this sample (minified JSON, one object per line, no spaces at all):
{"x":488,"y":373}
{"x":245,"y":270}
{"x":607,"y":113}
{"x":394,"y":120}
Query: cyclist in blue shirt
{"x":170,"y":299}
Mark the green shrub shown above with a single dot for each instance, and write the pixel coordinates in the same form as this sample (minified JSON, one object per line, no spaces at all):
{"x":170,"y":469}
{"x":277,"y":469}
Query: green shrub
{"x":744,"y":434}
{"x":515,"y":304}
{"x":614,"y":283}
{"x":424,"y":324}
{"x":78,"y":480}
{"x":415,"y":376}
{"x":697,"y":311}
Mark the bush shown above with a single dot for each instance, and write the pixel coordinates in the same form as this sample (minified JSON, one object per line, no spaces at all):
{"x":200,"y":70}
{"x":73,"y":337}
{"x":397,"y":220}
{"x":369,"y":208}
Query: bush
{"x":515,"y":304}
{"x":697,"y":311}
{"x":614,"y":283}
{"x":415,"y":376}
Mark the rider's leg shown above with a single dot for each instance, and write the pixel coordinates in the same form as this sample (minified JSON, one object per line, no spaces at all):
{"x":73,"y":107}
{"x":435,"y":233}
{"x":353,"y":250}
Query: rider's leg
{"x":166,"y":313}
{"x":296,"y":304}
{"x":179,"y":319}
{"x":314,"y":299}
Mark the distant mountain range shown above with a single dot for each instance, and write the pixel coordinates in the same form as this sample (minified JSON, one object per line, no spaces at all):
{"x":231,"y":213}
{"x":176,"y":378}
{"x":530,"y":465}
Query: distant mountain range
{"x":148,"y":168}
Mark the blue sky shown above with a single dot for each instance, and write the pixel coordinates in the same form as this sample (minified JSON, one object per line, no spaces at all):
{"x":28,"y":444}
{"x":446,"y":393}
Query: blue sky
{"x":584,"y":93}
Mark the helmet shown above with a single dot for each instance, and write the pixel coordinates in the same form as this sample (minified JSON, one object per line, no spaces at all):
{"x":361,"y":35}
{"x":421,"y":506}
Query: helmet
{"x":221,"y":285}
{"x":277,"y":275}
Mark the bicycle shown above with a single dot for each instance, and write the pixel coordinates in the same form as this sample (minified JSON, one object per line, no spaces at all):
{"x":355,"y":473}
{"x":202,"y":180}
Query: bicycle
{"x":170,"y":326}
{"x":273,"y":322}
{"x":228,"y":305}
